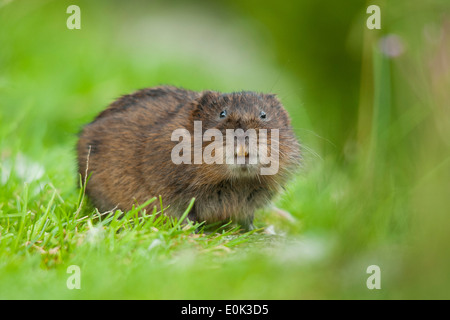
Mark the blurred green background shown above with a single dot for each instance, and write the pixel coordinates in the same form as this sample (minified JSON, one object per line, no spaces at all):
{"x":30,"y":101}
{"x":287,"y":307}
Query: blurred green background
{"x":370,"y":107}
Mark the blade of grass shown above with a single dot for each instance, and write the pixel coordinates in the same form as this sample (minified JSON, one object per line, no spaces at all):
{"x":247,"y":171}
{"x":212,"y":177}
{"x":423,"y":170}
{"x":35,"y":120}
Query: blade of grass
{"x":185,"y":214}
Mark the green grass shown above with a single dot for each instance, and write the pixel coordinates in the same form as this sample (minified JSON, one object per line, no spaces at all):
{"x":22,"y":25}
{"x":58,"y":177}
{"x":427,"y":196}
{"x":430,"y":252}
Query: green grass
{"x":380,"y":199}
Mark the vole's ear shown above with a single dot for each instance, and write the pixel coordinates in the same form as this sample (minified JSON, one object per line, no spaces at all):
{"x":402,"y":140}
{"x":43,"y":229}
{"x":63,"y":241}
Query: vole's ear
{"x":281,"y":112}
{"x":203,"y":104}
{"x":272,"y":96}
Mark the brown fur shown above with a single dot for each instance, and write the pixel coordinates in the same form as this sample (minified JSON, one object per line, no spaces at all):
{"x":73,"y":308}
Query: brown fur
{"x":130,"y":153}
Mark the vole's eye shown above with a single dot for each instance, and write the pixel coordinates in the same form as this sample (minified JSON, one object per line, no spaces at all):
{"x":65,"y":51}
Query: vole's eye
{"x":262,"y":115}
{"x":223,"y":114}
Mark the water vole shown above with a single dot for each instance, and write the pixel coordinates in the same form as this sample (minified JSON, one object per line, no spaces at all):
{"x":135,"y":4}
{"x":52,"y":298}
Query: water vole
{"x":131,"y":153}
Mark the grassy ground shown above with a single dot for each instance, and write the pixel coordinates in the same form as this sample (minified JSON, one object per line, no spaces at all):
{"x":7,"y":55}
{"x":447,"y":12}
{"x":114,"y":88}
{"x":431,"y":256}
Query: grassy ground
{"x":385,"y":205}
